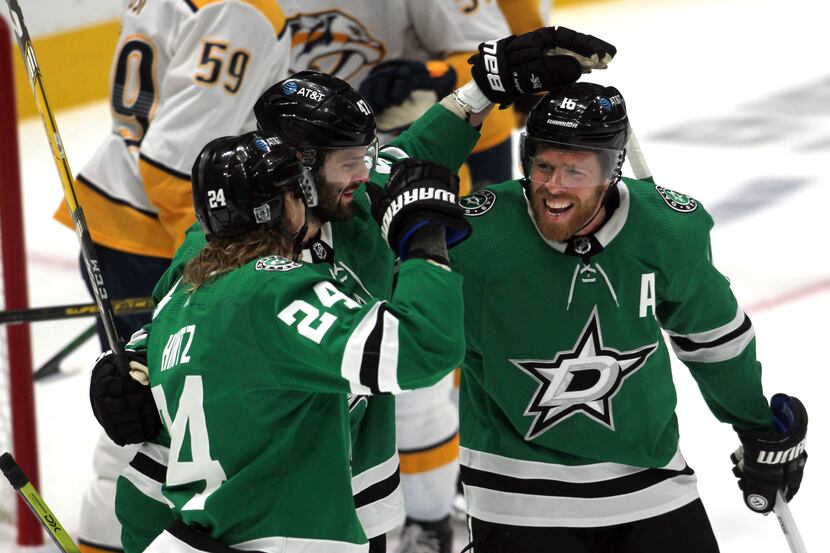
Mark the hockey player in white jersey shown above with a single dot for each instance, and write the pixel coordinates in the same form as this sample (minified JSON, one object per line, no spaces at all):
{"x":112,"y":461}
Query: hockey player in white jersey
{"x":184,"y":71}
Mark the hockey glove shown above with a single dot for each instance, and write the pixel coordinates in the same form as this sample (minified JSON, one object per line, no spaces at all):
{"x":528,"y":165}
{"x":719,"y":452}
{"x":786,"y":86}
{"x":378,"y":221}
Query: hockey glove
{"x":767,"y":462}
{"x":392,"y":82}
{"x":419,"y":194}
{"x":536,"y":62}
{"x":122,"y":404}
{"x":400,"y":91}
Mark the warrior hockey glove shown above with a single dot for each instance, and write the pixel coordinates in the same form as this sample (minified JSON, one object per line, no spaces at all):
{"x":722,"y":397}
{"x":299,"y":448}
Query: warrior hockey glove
{"x":392,"y":82}
{"x":771,"y":461}
{"x":537,"y":61}
{"x":418,"y":194}
{"x":123,"y":405}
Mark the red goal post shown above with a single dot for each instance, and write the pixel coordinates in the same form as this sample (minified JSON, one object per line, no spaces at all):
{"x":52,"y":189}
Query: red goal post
{"x":17,"y":410}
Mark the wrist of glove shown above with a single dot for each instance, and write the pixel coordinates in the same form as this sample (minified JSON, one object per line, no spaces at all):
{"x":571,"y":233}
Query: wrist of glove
{"x":534,"y":62}
{"x":418,"y":194}
{"x":773,"y":460}
{"x":123,"y":403}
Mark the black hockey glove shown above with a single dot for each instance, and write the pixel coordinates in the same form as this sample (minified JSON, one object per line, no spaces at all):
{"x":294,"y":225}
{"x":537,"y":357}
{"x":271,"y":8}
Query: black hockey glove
{"x":536,"y":62}
{"x":393,"y":81}
{"x":419,"y":195}
{"x":770,"y":461}
{"x":123,"y":405}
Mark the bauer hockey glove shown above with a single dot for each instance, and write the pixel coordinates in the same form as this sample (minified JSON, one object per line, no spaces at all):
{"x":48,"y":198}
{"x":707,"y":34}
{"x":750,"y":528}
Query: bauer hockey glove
{"x":124,"y":404}
{"x":769,"y":461}
{"x":419,"y":194}
{"x":538,"y":61}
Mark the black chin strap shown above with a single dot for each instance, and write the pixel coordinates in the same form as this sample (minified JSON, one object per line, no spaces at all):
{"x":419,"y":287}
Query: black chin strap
{"x":296,"y":238}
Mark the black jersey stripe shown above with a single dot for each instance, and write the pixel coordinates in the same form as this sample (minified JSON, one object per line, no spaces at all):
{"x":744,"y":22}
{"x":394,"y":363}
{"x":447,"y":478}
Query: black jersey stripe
{"x":149,"y":468}
{"x":94,"y":187}
{"x":378,"y":490}
{"x":690,"y":345}
{"x":556,"y":488}
{"x":435,"y":445}
{"x":370,"y":363}
{"x":198,"y":540}
{"x":169,"y":170}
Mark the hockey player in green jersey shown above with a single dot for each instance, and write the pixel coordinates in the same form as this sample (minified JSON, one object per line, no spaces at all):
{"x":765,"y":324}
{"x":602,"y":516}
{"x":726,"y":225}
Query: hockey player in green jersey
{"x":568,"y":433}
{"x":252,"y":353}
{"x":441,"y":135}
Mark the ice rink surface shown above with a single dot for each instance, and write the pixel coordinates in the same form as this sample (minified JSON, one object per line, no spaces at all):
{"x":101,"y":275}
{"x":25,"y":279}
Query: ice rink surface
{"x":731,"y":102}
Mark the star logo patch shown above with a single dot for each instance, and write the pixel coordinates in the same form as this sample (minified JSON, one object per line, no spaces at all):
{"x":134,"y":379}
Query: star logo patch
{"x":583,"y":380}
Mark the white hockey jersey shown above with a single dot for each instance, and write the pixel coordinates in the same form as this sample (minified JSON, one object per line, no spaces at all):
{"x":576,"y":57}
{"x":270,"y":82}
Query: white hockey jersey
{"x":348,"y":38}
{"x":184,"y":72}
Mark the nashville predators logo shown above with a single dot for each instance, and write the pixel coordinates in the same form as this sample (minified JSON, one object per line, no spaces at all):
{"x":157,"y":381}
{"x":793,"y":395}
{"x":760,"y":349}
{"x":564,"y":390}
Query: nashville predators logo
{"x":583,"y":380}
{"x":332,"y":42}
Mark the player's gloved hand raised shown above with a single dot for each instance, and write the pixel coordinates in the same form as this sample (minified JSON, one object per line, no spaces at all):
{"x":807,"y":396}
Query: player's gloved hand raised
{"x":123,"y":404}
{"x":419,"y":198}
{"x":769,"y":461}
{"x":535,"y":62}
{"x":392,"y":82}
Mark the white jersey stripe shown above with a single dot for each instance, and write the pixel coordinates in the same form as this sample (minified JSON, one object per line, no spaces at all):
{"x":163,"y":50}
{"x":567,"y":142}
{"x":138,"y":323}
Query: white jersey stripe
{"x":578,"y":474}
{"x":389,"y":348}
{"x":384,"y":515}
{"x":375,"y":474}
{"x":353,"y":352}
{"x":714,"y":334}
{"x":538,"y":510}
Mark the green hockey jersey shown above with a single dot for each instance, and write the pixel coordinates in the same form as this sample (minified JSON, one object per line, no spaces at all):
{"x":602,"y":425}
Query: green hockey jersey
{"x":250,"y":374}
{"x":567,"y":400}
{"x":354,"y":254}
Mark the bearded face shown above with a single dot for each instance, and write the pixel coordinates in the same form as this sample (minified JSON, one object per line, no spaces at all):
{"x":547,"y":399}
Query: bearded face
{"x":566,"y":192}
{"x":342,"y":173}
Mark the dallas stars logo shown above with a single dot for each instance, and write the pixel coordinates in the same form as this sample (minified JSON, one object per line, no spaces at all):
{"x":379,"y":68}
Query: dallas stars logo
{"x":583,"y":380}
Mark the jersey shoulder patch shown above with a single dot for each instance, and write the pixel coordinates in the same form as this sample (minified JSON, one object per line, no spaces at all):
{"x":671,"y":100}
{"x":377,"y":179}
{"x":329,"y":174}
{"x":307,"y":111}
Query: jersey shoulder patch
{"x":276,"y":263}
{"x":676,"y":200}
{"x":478,"y":203}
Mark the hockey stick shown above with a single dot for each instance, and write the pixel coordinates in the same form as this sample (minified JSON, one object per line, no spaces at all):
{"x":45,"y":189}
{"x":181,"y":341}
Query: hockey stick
{"x":782,"y":510}
{"x":126,"y":306}
{"x":53,"y":366}
{"x":14,"y":474}
{"x":788,"y":526}
{"x":93,"y":266}
{"x":636,"y":158}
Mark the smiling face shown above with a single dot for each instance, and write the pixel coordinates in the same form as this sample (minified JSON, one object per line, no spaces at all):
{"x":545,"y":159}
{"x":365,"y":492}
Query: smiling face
{"x":566,"y":192}
{"x":342,"y":172}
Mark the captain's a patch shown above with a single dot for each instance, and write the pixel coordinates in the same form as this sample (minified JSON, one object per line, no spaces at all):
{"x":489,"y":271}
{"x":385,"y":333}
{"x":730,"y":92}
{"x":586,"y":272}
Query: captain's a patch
{"x":676,"y":200}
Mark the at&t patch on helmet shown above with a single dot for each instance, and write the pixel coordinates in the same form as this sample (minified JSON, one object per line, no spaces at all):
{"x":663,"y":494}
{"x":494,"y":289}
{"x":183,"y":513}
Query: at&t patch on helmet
{"x":290,"y":87}
{"x":276,"y":263}
{"x":676,"y":200}
{"x":478,"y":203}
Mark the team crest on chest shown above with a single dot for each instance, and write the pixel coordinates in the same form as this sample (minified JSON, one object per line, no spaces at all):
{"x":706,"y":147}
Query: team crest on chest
{"x":582,"y":380}
{"x":676,"y":200}
{"x":478,"y":203}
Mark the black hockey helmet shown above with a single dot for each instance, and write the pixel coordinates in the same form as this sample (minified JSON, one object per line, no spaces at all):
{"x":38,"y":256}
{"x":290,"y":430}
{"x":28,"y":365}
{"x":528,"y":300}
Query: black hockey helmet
{"x":239,"y":182}
{"x":579,"y":116}
{"x":314,"y":112}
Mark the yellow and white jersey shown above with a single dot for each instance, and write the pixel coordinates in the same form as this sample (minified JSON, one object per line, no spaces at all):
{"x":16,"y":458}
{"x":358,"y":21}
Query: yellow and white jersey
{"x":184,"y":72}
{"x":347,"y":38}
